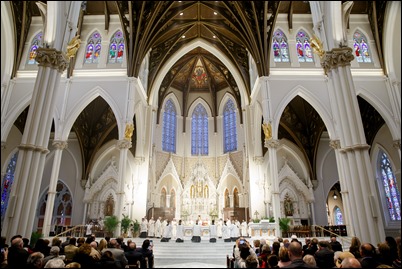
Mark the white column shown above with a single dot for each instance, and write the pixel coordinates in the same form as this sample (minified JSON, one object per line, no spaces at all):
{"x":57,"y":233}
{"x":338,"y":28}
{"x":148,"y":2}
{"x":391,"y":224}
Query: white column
{"x":335,"y":144}
{"x":272,"y":145}
{"x":231,"y":200}
{"x":123,"y":145}
{"x":354,"y":155}
{"x":59,"y":146}
{"x":33,"y":149}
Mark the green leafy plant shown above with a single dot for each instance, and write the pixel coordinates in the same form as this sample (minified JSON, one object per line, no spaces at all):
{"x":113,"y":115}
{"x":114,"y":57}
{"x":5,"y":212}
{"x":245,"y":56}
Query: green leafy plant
{"x":125,"y":223}
{"x":136,"y":227}
{"x":110,"y":223}
{"x":256,"y":220}
{"x":34,"y":238}
{"x":284,"y":224}
{"x":271,"y":219}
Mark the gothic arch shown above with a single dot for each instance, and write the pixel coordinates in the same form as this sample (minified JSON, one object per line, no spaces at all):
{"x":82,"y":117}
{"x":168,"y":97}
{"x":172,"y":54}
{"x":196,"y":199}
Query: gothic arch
{"x":109,"y":179}
{"x":382,"y":109}
{"x":321,"y":108}
{"x":84,"y":101}
{"x":7,"y":47}
{"x":197,"y":101}
{"x":187,"y":48}
{"x":223,"y":102}
{"x":176,"y":103}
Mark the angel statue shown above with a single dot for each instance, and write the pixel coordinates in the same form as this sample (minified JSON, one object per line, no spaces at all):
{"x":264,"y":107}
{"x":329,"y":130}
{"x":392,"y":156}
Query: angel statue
{"x":267,"y":130}
{"x":73,"y":46}
{"x":317,"y":46}
{"x":128,"y":133}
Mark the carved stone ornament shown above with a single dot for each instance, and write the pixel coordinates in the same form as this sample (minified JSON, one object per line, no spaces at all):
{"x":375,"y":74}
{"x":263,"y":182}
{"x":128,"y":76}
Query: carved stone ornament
{"x":397,"y":144}
{"x":60,"y":144}
{"x":336,"y":57}
{"x":123,"y":144}
{"x":335,"y":144}
{"x":51,"y":58}
{"x":272,"y":143}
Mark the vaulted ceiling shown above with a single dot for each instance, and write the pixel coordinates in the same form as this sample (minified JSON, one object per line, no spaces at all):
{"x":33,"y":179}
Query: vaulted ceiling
{"x":236,"y":28}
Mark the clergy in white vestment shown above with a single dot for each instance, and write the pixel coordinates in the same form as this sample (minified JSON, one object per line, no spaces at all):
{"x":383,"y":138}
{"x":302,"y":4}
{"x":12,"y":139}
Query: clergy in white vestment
{"x":249,"y":227}
{"x":196,"y":233}
{"x":179,"y":232}
{"x":174,"y":226}
{"x":158,"y":228}
{"x":244,"y":229}
{"x":163,"y":226}
{"x":226,"y":232}
{"x":167,"y":232}
{"x":143,"y":228}
{"x":219,"y":228}
{"x":151,"y":227}
{"x":212,"y":232}
{"x":234,"y":232}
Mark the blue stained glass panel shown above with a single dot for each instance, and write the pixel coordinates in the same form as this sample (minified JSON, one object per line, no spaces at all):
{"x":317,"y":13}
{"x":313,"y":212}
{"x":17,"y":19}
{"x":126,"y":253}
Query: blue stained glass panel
{"x":392,"y":196}
{"x":7,"y":183}
{"x":229,"y":127}
{"x":303,"y":48}
{"x":280,"y":47}
{"x":338,"y":216}
{"x":169,"y":127}
{"x":36,"y":42}
{"x":116,"y":48}
{"x":361,"y":48}
{"x":93,"y":49}
{"x":199,"y":131}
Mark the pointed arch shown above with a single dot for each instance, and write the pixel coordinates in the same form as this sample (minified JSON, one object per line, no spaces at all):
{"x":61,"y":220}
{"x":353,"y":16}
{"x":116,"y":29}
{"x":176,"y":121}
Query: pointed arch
{"x":84,"y":101}
{"x":198,"y":42}
{"x":322,"y":109}
{"x":338,"y":216}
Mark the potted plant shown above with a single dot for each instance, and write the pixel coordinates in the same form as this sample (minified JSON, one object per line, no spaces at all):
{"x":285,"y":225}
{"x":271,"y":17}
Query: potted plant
{"x":136,"y":228}
{"x":110,"y":223}
{"x":271,"y":219}
{"x":284,"y":225}
{"x":125,"y":224}
{"x":34,"y":238}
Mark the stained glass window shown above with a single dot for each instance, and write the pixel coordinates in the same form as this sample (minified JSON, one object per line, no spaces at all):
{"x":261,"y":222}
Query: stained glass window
{"x":169,"y":127}
{"x":199,"y":131}
{"x":62,"y":207}
{"x":116,"y":48}
{"x":36,"y":42}
{"x":303,"y":48}
{"x":393,"y":200}
{"x":229,"y":127}
{"x":7,"y":183}
{"x":280,"y":47}
{"x":93,"y":49}
{"x":338,"y":216}
{"x":360,"y":47}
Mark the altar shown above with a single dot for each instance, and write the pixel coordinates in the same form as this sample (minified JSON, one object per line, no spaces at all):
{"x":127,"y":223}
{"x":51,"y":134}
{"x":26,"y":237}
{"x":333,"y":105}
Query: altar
{"x":188,"y":231}
{"x":263,"y":229}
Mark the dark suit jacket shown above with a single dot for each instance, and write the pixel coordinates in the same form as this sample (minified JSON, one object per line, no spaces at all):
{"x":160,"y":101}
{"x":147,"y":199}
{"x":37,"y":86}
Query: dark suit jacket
{"x":133,"y":256}
{"x":324,"y":258}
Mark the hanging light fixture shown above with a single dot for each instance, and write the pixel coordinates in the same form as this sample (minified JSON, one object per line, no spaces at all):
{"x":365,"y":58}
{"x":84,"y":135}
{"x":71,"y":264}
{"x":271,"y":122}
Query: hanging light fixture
{"x":335,"y":196}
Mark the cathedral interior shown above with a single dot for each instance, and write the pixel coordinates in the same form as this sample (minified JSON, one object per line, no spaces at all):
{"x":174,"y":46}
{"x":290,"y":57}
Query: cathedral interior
{"x":162,"y":111}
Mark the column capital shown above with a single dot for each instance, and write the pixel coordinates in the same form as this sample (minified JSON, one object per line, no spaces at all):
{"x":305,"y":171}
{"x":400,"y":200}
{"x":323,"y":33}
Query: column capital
{"x":336,"y":57}
{"x":52,"y":58}
{"x":123,"y":144}
{"x":139,"y":160}
{"x":3,"y":144}
{"x":59,"y":144}
{"x":396,"y":144}
{"x":271,"y":143}
{"x":335,"y":144}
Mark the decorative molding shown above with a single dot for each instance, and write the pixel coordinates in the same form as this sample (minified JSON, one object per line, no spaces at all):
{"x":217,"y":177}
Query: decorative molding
{"x":29,"y":147}
{"x":336,"y":57}
{"x":58,"y":144}
{"x":396,"y":144}
{"x":258,"y":160}
{"x":271,"y":143}
{"x":123,"y":144}
{"x":335,"y":144}
{"x":3,"y":145}
{"x":51,"y":58}
{"x":139,"y":160}
{"x":355,"y":147}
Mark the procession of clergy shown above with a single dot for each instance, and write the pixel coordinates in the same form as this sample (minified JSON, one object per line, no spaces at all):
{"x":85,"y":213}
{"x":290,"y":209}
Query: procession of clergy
{"x":227,"y":229}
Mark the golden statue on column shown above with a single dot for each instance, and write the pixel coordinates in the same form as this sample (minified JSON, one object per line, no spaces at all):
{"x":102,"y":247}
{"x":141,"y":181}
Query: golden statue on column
{"x":267,"y":130}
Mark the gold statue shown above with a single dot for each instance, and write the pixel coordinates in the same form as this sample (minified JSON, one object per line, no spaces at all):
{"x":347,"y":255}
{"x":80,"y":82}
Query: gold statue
{"x":128,"y":133}
{"x":267,"y":130}
{"x":73,"y":46}
{"x":317,"y":46}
